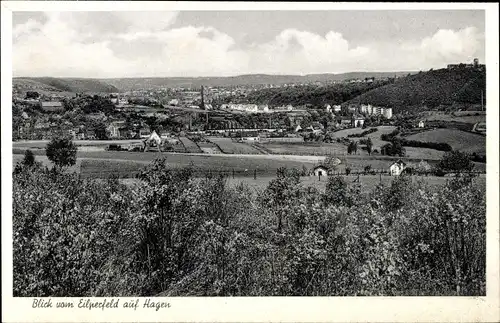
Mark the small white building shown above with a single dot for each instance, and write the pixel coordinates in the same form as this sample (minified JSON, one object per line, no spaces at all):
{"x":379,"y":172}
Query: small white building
{"x":320,"y":170}
{"x":263,"y":108}
{"x":358,"y":122}
{"x":173,"y":102}
{"x":397,"y":168}
{"x":250,"y":139}
{"x":387,"y":112}
{"x":421,"y":124}
{"x":337,"y":108}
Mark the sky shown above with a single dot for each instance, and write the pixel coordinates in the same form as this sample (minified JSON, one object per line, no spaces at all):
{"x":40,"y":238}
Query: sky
{"x":224,"y":43}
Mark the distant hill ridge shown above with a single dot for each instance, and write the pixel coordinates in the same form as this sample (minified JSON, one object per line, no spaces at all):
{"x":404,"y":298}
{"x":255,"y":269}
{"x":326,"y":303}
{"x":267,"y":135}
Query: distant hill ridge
{"x":64,"y":84}
{"x":415,"y":90}
{"x":126,"y":84}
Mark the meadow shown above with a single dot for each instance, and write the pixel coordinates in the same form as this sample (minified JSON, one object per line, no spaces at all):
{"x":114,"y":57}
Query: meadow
{"x":347,"y":132}
{"x":457,"y":139}
{"x":189,"y":145}
{"x":471,"y":117}
{"x":304,"y":148}
{"x":33,"y":144}
{"x":228,"y":146}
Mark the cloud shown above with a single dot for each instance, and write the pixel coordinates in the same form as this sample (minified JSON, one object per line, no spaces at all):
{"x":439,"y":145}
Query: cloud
{"x":56,"y":49}
{"x":442,"y":48}
{"x":306,"y":52}
{"x":123,"y":44}
{"x":452,"y":45}
{"x":28,"y":27}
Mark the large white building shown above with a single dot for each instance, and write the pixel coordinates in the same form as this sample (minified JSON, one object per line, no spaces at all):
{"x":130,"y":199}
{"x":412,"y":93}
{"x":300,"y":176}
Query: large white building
{"x":373,"y":110}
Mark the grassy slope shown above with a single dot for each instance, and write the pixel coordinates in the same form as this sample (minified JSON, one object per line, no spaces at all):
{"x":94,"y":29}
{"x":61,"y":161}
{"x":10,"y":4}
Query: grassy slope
{"x":458,"y":140}
{"x":228,"y":146}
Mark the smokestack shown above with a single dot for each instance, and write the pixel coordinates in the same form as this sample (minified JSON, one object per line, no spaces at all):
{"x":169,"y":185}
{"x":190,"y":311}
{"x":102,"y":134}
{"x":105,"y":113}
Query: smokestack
{"x":202,"y":98}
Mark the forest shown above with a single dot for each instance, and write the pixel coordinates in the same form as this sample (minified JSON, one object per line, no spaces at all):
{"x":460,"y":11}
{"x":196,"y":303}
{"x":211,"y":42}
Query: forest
{"x":307,"y":95}
{"x":430,"y":90}
{"x":174,"y":234}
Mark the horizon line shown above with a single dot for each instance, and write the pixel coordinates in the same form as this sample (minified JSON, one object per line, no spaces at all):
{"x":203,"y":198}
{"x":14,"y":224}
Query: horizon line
{"x":226,"y":76}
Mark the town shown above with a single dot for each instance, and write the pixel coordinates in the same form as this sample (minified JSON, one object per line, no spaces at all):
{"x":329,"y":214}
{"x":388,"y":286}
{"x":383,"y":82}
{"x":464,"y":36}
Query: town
{"x":241,"y":120}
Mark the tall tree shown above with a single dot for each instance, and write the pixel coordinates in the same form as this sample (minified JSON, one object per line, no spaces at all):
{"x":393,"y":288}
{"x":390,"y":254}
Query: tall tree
{"x":369,"y":146}
{"x":29,"y":158}
{"x":61,"y":152}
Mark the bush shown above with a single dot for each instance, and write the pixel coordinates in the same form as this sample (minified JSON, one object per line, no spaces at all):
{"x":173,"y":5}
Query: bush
{"x":174,"y":234}
{"x":29,"y":158}
{"x":414,"y":143}
{"x":439,"y":172}
{"x":114,"y":147}
{"x":364,"y":133}
{"x":456,"y":161}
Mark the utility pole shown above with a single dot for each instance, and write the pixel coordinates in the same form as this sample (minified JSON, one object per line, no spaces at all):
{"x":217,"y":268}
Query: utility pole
{"x":202,"y":105}
{"x":482,"y":106}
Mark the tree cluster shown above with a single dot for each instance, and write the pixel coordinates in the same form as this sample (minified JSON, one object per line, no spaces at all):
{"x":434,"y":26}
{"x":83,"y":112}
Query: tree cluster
{"x":174,"y":234}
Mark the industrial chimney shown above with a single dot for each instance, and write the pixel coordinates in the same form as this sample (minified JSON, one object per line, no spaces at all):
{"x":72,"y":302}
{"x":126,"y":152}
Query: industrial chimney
{"x":202,"y":104}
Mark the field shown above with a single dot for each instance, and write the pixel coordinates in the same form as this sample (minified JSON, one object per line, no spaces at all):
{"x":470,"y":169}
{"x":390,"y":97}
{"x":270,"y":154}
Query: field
{"x":309,"y":148}
{"x":228,"y":146}
{"x":106,"y":168}
{"x":45,"y":161}
{"x":461,"y":116}
{"x":127,"y":164}
{"x":43,"y":143}
{"x":347,"y":132}
{"x":244,"y":159}
{"x":423,"y":153}
{"x":375,"y":136}
{"x":189,"y":145}
{"x":208,"y":147}
{"x":458,"y":140}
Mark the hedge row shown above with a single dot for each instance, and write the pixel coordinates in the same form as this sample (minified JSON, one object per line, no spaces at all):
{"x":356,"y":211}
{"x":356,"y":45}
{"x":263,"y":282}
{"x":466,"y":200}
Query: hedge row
{"x":414,"y":143}
{"x":363,"y":134}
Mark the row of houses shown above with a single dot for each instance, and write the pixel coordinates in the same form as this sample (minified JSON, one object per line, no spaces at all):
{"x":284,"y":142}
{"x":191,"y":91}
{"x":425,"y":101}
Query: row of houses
{"x":333,"y":108}
{"x":251,"y":108}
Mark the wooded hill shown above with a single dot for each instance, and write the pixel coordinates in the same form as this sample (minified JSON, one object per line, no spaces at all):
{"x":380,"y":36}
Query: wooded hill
{"x":429,"y":89}
{"x":316,"y":96}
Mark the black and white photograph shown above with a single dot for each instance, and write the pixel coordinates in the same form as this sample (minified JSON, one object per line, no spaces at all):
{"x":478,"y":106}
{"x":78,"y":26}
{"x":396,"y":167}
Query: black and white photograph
{"x":256,"y":153}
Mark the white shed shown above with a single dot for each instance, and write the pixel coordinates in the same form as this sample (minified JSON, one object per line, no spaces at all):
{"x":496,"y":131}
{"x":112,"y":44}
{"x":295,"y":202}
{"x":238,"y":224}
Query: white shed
{"x":320,"y":171}
{"x":397,"y":168}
